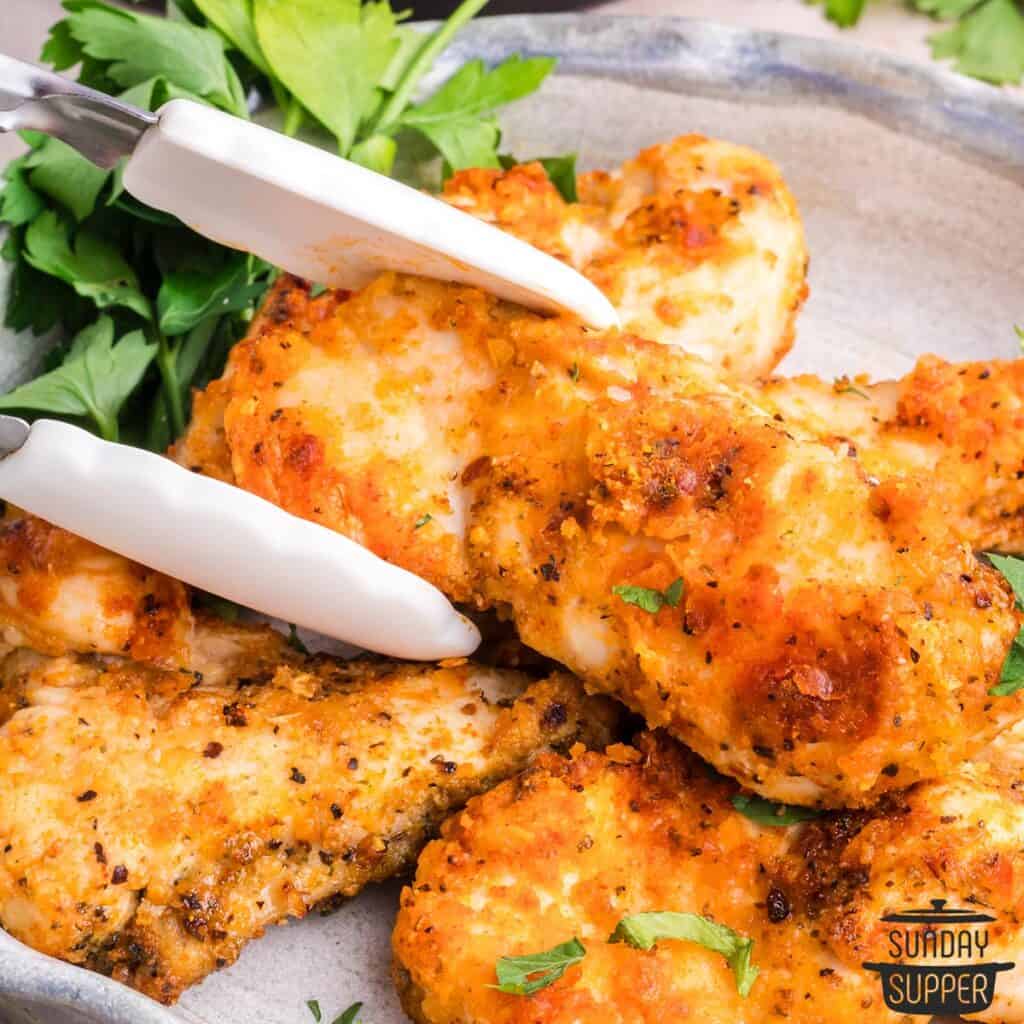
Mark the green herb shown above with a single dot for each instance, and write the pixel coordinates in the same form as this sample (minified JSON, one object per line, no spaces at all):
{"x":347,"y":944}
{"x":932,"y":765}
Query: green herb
{"x":219,"y":606}
{"x":295,"y":641}
{"x":844,"y":12}
{"x":850,"y":389}
{"x":422,"y":521}
{"x":1011,"y":679}
{"x":525,"y":975}
{"x":94,"y":381}
{"x":458,"y":119}
{"x":347,"y":1017}
{"x":642,"y":931}
{"x":765,"y":812}
{"x":350,"y":1015}
{"x":80,"y":248}
{"x":986,"y":41}
{"x":651,"y":601}
{"x":1019,"y":331}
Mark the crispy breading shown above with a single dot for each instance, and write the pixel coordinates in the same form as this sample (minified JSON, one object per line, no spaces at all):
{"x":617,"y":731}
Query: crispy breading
{"x":151,"y":824}
{"x":60,"y":594}
{"x":961,"y":424}
{"x":572,"y":846}
{"x":697,"y":242}
{"x":833,"y":638}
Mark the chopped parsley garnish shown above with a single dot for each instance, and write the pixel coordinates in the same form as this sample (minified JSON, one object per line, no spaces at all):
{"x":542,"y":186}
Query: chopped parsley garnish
{"x":1011,"y":678}
{"x":765,"y":812}
{"x":524,"y":975}
{"x":347,"y":1017}
{"x":651,"y":601}
{"x":642,"y":931}
{"x":294,"y":640}
{"x":422,"y":521}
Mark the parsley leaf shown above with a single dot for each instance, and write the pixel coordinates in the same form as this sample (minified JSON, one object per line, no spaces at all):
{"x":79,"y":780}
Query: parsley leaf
{"x":331,"y":54}
{"x":314,"y":1009}
{"x":141,"y":46}
{"x":524,"y":975}
{"x":642,"y":931}
{"x":765,"y":812}
{"x":57,"y":171}
{"x":95,"y":380}
{"x":19,"y":204}
{"x":844,"y":13}
{"x":651,"y":601}
{"x":233,"y":19}
{"x":987,"y":42}
{"x":1011,"y":679}
{"x":188,"y":297}
{"x":93,"y":267}
{"x":422,"y":521}
{"x":350,"y":1015}
{"x":455,"y":118}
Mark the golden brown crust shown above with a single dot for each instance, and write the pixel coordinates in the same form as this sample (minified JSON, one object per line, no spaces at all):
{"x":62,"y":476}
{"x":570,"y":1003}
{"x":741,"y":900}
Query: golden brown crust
{"x":572,"y":846}
{"x":697,"y":242}
{"x":834,"y":639}
{"x":151,"y":824}
{"x":958,"y":423}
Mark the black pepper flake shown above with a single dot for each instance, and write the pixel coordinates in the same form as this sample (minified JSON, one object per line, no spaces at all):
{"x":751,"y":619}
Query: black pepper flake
{"x":235,"y":716}
{"x":892,"y":770}
{"x":327,"y":859}
{"x":84,"y":798}
{"x":213,"y":750}
{"x":549,"y":570}
{"x":778,"y":906}
{"x":554,"y":715}
{"x":119,"y":875}
{"x":914,"y":656}
{"x":298,"y":777}
{"x":101,"y":857}
{"x":335,"y":811}
{"x":353,"y":763}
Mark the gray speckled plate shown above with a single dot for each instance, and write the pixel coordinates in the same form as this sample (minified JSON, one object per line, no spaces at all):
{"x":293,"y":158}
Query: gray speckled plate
{"x":910,"y":181}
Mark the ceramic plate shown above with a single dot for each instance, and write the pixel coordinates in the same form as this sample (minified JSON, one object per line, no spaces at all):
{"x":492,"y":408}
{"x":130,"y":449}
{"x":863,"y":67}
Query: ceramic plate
{"x":911,"y":182}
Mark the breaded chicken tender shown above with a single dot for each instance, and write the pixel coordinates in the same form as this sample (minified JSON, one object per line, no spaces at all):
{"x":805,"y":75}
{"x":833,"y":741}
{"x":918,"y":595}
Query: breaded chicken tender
{"x":819,"y":634}
{"x":572,"y":847}
{"x":61,"y":594}
{"x":697,"y":243}
{"x":151,"y":823}
{"x":961,"y":424}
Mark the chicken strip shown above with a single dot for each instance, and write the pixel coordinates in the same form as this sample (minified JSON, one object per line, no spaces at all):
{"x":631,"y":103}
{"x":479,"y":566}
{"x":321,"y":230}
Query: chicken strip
{"x":959,"y":424}
{"x":819,"y":635}
{"x":697,"y":242}
{"x":572,"y":847}
{"x":61,"y":594}
{"x":152,"y":823}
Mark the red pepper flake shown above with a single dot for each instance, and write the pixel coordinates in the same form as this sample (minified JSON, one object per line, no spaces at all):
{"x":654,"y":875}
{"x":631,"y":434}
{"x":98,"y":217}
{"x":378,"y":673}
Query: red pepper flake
{"x":213,"y":750}
{"x":101,"y":857}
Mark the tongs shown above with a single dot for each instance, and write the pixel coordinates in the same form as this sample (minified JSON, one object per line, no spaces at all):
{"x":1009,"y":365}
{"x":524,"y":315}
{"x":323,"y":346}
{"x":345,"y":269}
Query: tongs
{"x":327,"y":220}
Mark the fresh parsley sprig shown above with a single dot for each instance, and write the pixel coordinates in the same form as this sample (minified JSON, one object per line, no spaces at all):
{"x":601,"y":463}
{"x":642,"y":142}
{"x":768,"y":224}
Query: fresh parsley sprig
{"x":153,"y":307}
{"x":984,"y":40}
{"x":349,"y":1016}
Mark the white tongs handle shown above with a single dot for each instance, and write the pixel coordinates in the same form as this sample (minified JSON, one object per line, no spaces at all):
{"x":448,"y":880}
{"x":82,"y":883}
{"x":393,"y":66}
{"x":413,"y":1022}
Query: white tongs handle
{"x":229,"y":542}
